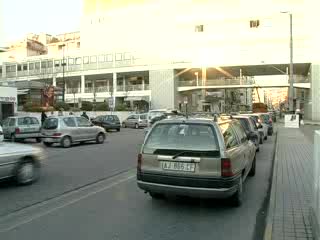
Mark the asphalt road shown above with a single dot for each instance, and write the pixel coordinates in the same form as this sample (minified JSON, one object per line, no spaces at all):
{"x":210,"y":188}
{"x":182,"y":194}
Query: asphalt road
{"x":89,"y":192}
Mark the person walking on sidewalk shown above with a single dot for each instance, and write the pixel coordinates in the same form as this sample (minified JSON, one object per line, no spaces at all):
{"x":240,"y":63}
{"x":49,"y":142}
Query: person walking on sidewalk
{"x":84,"y":114}
{"x":43,"y":117}
{"x":298,"y":112}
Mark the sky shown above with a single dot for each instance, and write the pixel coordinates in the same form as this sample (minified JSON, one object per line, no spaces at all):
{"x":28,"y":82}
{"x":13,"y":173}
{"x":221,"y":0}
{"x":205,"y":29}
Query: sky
{"x":20,"y":17}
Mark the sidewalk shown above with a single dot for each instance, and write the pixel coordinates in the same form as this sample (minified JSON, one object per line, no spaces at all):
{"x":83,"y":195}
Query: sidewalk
{"x":290,"y":200}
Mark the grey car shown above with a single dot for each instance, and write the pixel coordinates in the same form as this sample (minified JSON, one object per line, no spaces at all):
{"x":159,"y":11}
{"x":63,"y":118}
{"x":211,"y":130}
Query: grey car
{"x":20,"y":128}
{"x":66,"y":130}
{"x":136,"y":121}
{"x":20,"y":162}
{"x":197,"y":158}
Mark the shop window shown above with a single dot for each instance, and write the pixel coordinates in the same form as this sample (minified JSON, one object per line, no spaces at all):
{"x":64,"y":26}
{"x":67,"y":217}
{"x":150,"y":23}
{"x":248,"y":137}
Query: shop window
{"x":19,"y":67}
{"x":109,"y":58}
{"x":25,"y":67}
{"x":101,"y":58}
{"x":57,"y":63}
{"x":118,"y":56}
{"x":78,"y":61}
{"x":71,"y":61}
{"x":37,"y":65}
{"x":93,"y":59}
{"x":31,"y":66}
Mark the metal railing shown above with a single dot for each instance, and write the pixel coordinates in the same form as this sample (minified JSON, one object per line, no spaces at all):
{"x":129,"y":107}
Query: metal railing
{"x":216,"y":82}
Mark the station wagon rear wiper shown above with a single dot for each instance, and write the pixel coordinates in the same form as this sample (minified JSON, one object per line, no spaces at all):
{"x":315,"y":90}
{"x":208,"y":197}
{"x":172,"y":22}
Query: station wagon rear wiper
{"x":199,"y":153}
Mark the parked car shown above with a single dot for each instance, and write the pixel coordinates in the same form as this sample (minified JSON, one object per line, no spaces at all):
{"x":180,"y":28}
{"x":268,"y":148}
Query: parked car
{"x":66,"y":130}
{"x":20,"y":128}
{"x":250,"y":128}
{"x":260,"y":124}
{"x":267,"y":119}
{"x":196,"y":157}
{"x":136,"y":121}
{"x":20,"y":162}
{"x":1,"y":134}
{"x":108,"y":122}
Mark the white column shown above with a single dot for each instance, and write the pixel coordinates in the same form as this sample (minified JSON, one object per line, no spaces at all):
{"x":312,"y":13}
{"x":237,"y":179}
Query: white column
{"x":82,"y":84}
{"x":124,"y":83}
{"x":54,"y":81}
{"x":114,"y":88}
{"x":143,"y":83}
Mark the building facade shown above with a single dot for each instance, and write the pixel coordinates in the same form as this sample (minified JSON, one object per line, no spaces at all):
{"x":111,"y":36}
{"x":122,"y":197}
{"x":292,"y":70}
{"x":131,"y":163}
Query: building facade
{"x":170,"y":52}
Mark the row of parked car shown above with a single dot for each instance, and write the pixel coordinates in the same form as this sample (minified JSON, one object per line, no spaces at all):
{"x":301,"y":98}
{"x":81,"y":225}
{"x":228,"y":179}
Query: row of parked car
{"x":201,"y":155}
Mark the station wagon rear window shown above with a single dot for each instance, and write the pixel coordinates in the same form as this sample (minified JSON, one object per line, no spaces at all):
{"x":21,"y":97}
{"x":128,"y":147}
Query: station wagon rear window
{"x":177,"y":136}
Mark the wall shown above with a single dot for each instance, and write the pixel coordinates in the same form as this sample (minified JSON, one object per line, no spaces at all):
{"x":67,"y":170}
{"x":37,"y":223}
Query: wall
{"x":164,"y":88}
{"x":315,"y":91}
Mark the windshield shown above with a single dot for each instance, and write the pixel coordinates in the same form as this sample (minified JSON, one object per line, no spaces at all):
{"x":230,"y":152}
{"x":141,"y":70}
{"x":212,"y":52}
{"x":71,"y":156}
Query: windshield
{"x":245,"y":123}
{"x":178,"y":136}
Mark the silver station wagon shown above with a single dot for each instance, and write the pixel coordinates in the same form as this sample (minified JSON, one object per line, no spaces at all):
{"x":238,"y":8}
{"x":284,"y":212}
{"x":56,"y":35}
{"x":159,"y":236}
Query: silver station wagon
{"x":66,"y":130}
{"x":20,"y":128}
{"x":197,"y":158}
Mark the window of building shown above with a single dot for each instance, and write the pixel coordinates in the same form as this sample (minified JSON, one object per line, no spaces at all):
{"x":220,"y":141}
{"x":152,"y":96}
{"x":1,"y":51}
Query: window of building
{"x":19,"y":67}
{"x":37,"y":65}
{"x":0,"y":70}
{"x":78,"y":44}
{"x":44,"y":64}
{"x":31,"y":66}
{"x":102,"y":58}
{"x":118,"y":56}
{"x":64,"y":62}
{"x":25,"y":67}
{"x":50,"y":63}
{"x":109,"y":58}
{"x":71,"y":61}
{"x":57,"y":63}
{"x":85,"y":60}
{"x":198,"y":28}
{"x":254,"y":23}
{"x":78,"y":61}
{"x":127,"y":56}
{"x":93,"y":59}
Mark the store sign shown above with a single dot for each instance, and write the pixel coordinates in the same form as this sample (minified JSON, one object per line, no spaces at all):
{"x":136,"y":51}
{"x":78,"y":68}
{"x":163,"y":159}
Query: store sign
{"x":7,"y":99}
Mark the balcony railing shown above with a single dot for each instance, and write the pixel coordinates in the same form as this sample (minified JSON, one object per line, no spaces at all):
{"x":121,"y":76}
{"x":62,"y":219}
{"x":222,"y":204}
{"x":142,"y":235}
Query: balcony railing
{"x":136,"y":87}
{"x":216,"y":82}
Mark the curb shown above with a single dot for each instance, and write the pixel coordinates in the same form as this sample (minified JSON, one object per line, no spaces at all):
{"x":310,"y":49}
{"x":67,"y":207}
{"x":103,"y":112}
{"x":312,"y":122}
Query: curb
{"x":269,"y":222}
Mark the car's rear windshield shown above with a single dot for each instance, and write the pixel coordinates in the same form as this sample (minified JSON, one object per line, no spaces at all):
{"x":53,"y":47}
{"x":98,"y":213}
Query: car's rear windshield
{"x":50,"y":123}
{"x":266,"y":118}
{"x":181,"y":136}
{"x":245,"y":123}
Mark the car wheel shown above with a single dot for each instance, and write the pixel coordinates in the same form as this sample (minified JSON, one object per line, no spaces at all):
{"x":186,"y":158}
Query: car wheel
{"x":136,"y":126}
{"x":27,"y":172}
{"x":236,"y":199}
{"x":253,"y":168}
{"x":118,"y":130}
{"x":66,"y":142}
{"x":47,"y":144}
{"x":156,"y":195}
{"x":100,"y":138}
{"x":38,"y":140}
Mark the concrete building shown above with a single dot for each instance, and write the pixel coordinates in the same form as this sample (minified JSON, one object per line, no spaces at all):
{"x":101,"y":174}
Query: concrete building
{"x":167,"y":52}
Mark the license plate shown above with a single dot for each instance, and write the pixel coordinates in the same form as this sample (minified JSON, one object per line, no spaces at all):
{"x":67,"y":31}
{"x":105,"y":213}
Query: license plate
{"x":178,"y":166}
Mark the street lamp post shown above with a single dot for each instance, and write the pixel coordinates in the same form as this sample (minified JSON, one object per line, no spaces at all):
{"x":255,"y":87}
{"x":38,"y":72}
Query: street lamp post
{"x":291,"y":93}
{"x":63,"y":80}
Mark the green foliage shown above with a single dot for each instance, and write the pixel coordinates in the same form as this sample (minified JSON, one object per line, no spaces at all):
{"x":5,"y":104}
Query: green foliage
{"x":32,"y":107}
{"x":102,"y":106}
{"x":61,"y":105}
{"x":75,"y":109}
{"x":87,"y":106}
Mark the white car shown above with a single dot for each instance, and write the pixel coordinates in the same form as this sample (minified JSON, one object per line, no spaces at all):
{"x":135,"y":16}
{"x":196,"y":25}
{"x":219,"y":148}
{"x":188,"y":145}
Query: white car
{"x":1,"y":134}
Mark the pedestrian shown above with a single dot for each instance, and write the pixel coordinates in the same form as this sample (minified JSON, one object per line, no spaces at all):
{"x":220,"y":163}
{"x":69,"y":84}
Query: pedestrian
{"x":60,"y":113}
{"x":298,"y":112}
{"x":43,"y":117}
{"x":84,"y":114}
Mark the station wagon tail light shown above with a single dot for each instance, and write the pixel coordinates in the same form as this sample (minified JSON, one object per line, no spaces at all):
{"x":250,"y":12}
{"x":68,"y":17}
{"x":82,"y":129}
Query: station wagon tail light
{"x":57,"y":134}
{"x":17,"y":130}
{"x":139,"y":162}
{"x":226,"y":169}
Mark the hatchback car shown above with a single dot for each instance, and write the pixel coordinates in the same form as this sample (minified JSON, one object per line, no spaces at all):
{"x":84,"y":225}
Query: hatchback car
{"x":20,"y":128}
{"x":66,"y":130}
{"x":136,"y":121}
{"x":197,"y":158}
{"x":250,"y":128}
{"x":108,"y":122}
{"x":20,"y":162}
